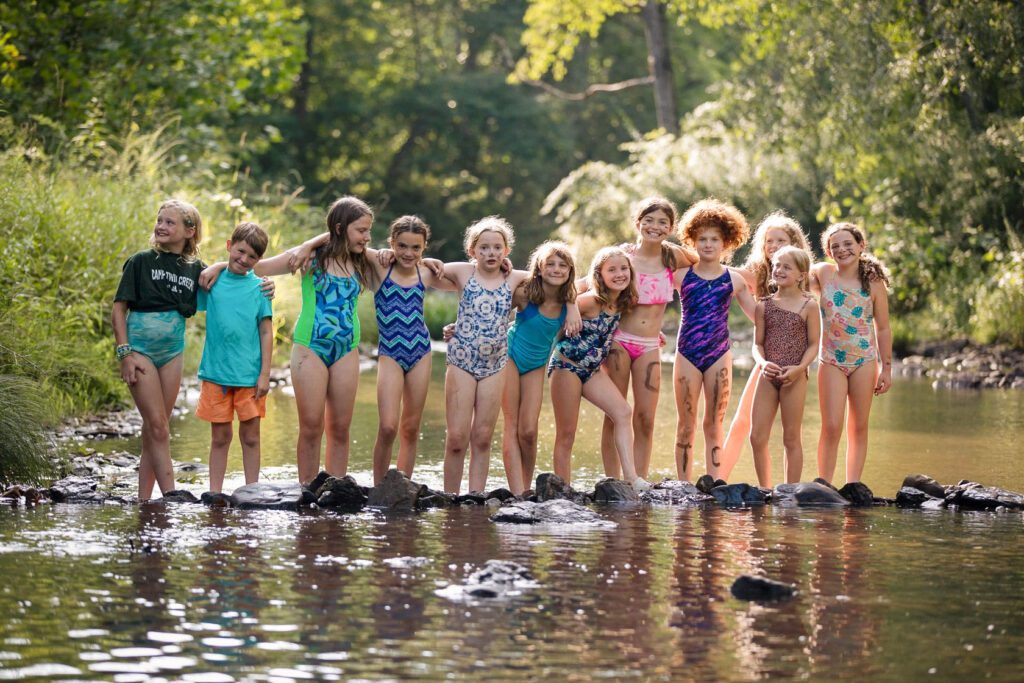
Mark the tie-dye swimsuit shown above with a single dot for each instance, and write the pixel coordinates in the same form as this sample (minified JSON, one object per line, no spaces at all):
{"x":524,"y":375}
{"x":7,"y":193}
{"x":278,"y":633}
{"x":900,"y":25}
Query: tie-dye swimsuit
{"x":480,"y":343}
{"x":704,"y":325}
{"x":848,"y":332}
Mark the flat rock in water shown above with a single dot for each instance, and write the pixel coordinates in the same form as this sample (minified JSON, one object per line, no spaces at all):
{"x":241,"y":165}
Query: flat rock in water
{"x":179,"y":496}
{"x":675,"y":492}
{"x":909,"y":497}
{"x":497,"y":579}
{"x":807,"y":494}
{"x":557,"y":511}
{"x":434,"y":499}
{"x":973,"y":496}
{"x":738,"y":495}
{"x":266,"y":495}
{"x":858,"y":494}
{"x":396,"y":492}
{"x":748,"y":587}
{"x":75,"y":489}
{"x":501,"y":495}
{"x":550,"y":486}
{"x":341,"y":493}
{"x":610,"y":490}
{"x":217,"y":499}
{"x":922,"y":482}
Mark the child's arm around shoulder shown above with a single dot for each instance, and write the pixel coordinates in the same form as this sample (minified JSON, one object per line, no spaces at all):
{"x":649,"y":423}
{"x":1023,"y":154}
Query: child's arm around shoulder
{"x":820,"y":274}
{"x":742,"y":293}
{"x":883,"y":335}
{"x":292,"y":259}
{"x":588,"y":304}
{"x":456,"y":275}
{"x":684,"y":256}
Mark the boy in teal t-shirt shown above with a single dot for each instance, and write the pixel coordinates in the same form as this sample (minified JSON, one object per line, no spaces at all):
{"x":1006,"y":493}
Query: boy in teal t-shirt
{"x":235,"y":369}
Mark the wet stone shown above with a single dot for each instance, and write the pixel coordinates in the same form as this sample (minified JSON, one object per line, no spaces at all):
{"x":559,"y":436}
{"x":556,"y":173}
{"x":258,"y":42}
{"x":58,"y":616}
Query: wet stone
{"x":922,"y":482}
{"x":496,"y":579}
{"x":978,"y":497}
{"x":819,"y":480}
{"x":434,"y":499}
{"x":610,"y":490}
{"x":909,"y":497}
{"x":675,"y":492}
{"x":471,"y":498}
{"x":758,"y":588}
{"x":557,"y":511}
{"x":318,"y":481}
{"x":266,"y":495}
{"x":808,"y":494}
{"x":179,"y":496}
{"x":341,"y":493}
{"x":738,"y":495}
{"x":858,"y":494}
{"x":396,"y":492}
{"x":76,"y":489}
{"x":501,"y":494}
{"x":705,"y":483}
{"x":550,"y":486}
{"x":217,"y":500}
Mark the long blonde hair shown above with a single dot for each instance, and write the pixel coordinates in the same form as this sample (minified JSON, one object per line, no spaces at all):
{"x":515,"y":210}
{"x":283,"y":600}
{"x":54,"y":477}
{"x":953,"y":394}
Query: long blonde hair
{"x":534,"y":286}
{"x":626,"y":299}
{"x":489,"y":224}
{"x":757,"y":260}
{"x":869,"y":268}
{"x":190,"y":218}
{"x":802,"y":261}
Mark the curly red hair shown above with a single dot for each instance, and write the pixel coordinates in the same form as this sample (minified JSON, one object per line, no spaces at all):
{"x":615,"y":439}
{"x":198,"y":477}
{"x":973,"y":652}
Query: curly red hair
{"x":713,"y":213}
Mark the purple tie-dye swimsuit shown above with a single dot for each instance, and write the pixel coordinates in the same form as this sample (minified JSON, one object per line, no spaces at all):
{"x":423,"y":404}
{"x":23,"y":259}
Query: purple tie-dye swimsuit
{"x":704,"y":327}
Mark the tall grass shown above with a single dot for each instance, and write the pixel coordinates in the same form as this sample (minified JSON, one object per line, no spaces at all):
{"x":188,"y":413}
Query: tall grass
{"x":23,"y":444}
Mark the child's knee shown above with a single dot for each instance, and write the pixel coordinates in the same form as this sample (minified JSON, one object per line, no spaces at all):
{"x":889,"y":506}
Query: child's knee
{"x":791,"y":441}
{"x":220,"y":438}
{"x":645,"y":421}
{"x":387,"y":432}
{"x":527,"y":436}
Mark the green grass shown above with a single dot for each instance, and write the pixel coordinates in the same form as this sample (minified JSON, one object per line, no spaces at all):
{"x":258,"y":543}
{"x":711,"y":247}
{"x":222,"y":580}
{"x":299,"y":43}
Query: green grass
{"x":24,"y":447}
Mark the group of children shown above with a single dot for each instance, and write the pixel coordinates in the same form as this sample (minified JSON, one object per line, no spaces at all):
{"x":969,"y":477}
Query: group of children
{"x":594,"y":337}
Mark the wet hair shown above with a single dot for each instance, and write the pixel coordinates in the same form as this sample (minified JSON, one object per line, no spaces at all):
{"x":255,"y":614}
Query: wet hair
{"x":413,"y":224}
{"x":489,"y":224}
{"x":626,"y":299}
{"x":869,"y":268}
{"x":648,"y":206}
{"x":534,"y":285}
{"x":253,"y":235}
{"x":802,"y":261}
{"x":343,"y":213}
{"x":713,"y":213}
{"x":190,"y":218}
{"x":757,"y":260}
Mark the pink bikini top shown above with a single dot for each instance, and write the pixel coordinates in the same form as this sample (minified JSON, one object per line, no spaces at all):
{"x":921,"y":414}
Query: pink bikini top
{"x":654,"y":288}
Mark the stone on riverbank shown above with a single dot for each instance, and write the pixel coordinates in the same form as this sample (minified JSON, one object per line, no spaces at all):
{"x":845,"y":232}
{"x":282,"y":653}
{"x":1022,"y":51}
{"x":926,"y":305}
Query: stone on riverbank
{"x":675,"y":492}
{"x":340,"y":493}
{"x":922,"y":482}
{"x":758,"y":588}
{"x":807,"y":493}
{"x":217,"y":499}
{"x":76,"y":489}
{"x":396,"y":493}
{"x":858,"y":494}
{"x":610,"y":490}
{"x":179,"y":496}
{"x":973,"y":496}
{"x":550,"y":486}
{"x":267,"y":495}
{"x":910,"y":497}
{"x":738,"y":495}
{"x":557,"y":511}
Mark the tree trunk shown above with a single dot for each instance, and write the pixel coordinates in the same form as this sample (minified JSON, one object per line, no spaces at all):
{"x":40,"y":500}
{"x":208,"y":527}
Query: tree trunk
{"x":660,"y":63}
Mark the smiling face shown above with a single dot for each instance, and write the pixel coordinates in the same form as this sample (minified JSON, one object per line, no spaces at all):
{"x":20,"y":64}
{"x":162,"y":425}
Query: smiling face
{"x":709,"y":244}
{"x":408,"y":248}
{"x":786,"y":272}
{"x":555,"y":271}
{"x":241,"y":257}
{"x":774,"y":239}
{"x":357,"y":234}
{"x":170,"y":232}
{"x":655,"y":226}
{"x":616,"y":273}
{"x":489,"y":251}
{"x":844,"y":248}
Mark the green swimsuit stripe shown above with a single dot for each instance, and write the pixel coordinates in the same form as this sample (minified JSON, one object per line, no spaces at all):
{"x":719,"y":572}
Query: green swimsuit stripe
{"x":329,"y":323}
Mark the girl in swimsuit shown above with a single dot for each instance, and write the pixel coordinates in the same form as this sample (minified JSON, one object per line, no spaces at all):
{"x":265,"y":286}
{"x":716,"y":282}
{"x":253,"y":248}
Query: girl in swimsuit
{"x":775,"y":231}
{"x":703,"y":359}
{"x":403,"y":367}
{"x":575,"y":368}
{"x":853,"y":294}
{"x":636,"y":344}
{"x":787,"y":327}
{"x":542,"y":303}
{"x":478,"y":350}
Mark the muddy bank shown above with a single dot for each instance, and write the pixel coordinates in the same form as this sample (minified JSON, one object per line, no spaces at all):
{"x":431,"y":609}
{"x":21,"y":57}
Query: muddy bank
{"x":960,"y":364}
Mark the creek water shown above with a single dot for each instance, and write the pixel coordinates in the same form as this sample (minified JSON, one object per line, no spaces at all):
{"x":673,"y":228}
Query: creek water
{"x":192,"y":593}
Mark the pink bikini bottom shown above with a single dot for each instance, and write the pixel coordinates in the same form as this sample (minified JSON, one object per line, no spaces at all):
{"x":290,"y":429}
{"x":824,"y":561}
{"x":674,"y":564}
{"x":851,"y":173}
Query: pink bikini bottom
{"x":635,"y":345}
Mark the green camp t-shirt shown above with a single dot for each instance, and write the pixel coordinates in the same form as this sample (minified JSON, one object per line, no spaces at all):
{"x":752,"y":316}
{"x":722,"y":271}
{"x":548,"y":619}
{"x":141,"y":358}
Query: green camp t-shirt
{"x":158,"y":281}
{"x":234,"y":308}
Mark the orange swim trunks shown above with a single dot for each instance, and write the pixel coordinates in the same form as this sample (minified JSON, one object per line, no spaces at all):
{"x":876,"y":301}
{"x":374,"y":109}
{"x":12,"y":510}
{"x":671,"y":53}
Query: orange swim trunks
{"x":219,"y":404}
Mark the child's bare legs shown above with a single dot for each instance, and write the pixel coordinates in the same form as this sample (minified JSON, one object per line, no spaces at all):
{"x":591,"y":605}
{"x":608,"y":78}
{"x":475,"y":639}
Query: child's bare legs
{"x":531,"y":396}
{"x":832,"y":390}
{"x":601,"y":392}
{"x":414,"y":397}
{"x":309,"y":381}
{"x":390,"y":390}
{"x":342,"y":382}
{"x":717,"y":384}
{"x":617,"y":365}
{"x":459,"y":398}
{"x":762,"y":415}
{"x":646,"y":372}
{"x":485,"y":417}
{"x":792,"y":397}
{"x":249,"y":435}
{"x":566,"y":390}
{"x":220,"y":440}
{"x":521,"y":406}
{"x":511,"y":453}
{"x":739,"y":430}
{"x":155,"y":392}
{"x":687,"y":382}
{"x":861,"y":391}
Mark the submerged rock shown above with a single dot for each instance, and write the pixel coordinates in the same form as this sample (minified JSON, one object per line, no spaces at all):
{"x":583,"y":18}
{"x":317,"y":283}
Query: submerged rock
{"x":675,"y":492}
{"x":434,"y":499}
{"x":808,"y":494}
{"x":340,"y":493}
{"x":218,"y":499}
{"x":550,"y":486}
{"x":974,"y":496}
{"x":922,"y":482}
{"x":748,"y":587}
{"x":909,"y":497}
{"x":266,"y":495}
{"x":396,"y":492}
{"x":858,"y":494}
{"x":501,"y":494}
{"x":179,"y":496}
{"x":497,"y":579}
{"x":738,"y":495}
{"x":610,"y":490}
{"x":558,"y":511}
{"x":75,"y":489}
